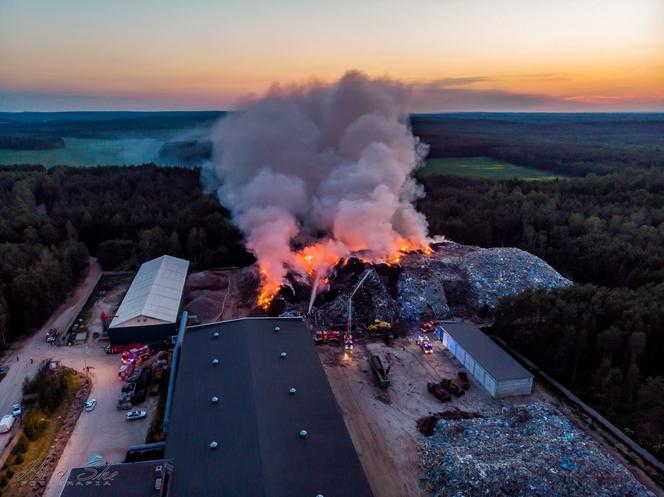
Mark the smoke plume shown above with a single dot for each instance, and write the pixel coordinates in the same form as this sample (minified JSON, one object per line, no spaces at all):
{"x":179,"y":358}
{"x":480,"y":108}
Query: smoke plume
{"x":314,"y":172}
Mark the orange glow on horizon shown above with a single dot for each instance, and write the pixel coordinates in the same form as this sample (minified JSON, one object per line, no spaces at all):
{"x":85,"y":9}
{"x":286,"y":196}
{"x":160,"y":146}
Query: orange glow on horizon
{"x":568,"y":52}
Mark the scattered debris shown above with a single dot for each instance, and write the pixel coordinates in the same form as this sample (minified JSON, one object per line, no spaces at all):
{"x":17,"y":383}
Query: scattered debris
{"x":523,"y":451}
{"x":427,"y":424}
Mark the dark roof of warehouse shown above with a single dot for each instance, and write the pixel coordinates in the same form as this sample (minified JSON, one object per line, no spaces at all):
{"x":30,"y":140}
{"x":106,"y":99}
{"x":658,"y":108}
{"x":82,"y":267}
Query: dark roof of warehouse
{"x":136,"y":479}
{"x":256,"y":423}
{"x":495,"y":361}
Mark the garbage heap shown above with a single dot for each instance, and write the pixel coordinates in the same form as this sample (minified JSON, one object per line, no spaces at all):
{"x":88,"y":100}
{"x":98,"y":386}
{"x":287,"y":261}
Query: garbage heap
{"x":455,"y":280}
{"x":526,"y":450}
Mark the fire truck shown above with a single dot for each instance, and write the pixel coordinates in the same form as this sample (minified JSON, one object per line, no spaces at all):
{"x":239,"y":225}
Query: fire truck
{"x":136,"y":356}
{"x":327,"y":336}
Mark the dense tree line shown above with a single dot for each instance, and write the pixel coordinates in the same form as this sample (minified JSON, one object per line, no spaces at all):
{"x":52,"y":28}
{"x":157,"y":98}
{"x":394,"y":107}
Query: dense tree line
{"x":126,"y":215}
{"x":39,"y":261}
{"x":570,"y":144}
{"x":604,"y":343}
{"x":607,"y":230}
{"x":30,"y":142}
{"x":50,"y":221}
{"x":604,"y":336}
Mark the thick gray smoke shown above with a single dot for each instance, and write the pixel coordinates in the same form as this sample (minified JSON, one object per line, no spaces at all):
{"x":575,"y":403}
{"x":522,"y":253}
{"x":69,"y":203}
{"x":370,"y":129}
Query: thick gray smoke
{"x":329,"y":165}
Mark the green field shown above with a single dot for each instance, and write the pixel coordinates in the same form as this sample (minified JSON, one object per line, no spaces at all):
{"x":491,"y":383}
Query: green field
{"x":89,"y":152}
{"x":484,"y":167}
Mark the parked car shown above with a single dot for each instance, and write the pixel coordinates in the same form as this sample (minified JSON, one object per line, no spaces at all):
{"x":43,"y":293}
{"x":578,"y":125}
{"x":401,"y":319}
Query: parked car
{"x":136,"y":414}
{"x":17,"y":410}
{"x":124,"y":401}
{"x":125,"y":371}
{"x":90,"y":405}
{"x":6,"y":423}
{"x":425,"y":345}
{"x":52,"y":335}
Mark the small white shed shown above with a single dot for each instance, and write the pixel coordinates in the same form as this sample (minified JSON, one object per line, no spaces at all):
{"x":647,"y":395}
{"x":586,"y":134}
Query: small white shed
{"x":489,"y":364}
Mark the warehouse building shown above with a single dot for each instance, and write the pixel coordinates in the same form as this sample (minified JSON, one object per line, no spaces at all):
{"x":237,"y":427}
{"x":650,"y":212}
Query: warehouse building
{"x":149,"y":311}
{"x":253,"y":415}
{"x":489,"y":364}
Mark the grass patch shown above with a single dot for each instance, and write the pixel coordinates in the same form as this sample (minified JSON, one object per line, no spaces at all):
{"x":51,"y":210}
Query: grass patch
{"x":484,"y":168}
{"x":41,"y":425}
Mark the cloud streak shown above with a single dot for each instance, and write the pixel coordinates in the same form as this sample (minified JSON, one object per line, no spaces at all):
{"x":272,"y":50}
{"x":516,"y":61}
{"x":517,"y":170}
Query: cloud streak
{"x":454,"y":95}
{"x":457,"y":94}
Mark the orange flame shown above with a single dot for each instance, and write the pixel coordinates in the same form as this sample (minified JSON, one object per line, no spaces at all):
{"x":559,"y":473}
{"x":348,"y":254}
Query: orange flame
{"x":321,"y":257}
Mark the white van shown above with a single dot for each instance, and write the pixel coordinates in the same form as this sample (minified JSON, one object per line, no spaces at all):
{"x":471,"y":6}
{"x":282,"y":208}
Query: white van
{"x":6,"y":423}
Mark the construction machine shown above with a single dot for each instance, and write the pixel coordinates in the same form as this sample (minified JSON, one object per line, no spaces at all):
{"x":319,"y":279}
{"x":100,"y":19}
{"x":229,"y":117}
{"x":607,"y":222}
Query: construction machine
{"x":380,"y":371}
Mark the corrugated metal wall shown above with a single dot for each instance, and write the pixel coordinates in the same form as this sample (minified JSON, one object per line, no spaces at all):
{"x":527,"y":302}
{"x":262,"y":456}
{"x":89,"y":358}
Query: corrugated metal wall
{"x":522,"y":386}
{"x":473,"y":367}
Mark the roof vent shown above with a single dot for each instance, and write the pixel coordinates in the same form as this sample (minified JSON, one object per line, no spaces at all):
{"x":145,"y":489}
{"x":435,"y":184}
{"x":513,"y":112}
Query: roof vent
{"x":303,"y":433}
{"x":214,"y":399}
{"x":216,"y":334}
{"x":283,"y":355}
{"x":292,"y":391}
{"x":276,"y":328}
{"x":214,"y":445}
{"x":215,"y":361}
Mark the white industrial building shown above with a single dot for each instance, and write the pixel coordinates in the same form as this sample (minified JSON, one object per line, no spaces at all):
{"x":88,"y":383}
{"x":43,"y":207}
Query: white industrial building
{"x":489,"y":364}
{"x":151,"y":306}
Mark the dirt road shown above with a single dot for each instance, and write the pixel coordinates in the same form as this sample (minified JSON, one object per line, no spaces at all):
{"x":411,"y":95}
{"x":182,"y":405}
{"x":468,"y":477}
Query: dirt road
{"x":25,"y":356}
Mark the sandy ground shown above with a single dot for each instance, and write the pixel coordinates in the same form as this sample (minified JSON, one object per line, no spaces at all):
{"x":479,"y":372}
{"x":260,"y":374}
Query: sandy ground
{"x":382,"y":423}
{"x":214,"y":296}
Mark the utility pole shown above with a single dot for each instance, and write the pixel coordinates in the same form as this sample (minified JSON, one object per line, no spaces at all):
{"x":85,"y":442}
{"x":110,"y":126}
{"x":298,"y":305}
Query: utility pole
{"x":348,"y":339}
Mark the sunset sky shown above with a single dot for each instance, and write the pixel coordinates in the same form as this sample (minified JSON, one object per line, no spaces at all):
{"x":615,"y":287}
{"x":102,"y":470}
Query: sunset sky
{"x":458,"y":55}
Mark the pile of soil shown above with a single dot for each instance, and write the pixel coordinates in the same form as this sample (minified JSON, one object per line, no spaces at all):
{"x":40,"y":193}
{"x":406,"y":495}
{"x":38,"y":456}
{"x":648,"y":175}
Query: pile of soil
{"x":427,"y":424}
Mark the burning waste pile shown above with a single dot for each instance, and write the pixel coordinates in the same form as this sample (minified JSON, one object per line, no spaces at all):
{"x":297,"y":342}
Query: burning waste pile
{"x":314,"y":173}
{"x":526,"y":450}
{"x":319,"y":178}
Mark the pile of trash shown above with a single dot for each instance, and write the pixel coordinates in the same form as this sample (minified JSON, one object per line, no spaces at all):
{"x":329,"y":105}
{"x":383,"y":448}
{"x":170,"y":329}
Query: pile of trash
{"x":525,"y":450}
{"x":454,"y":280}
